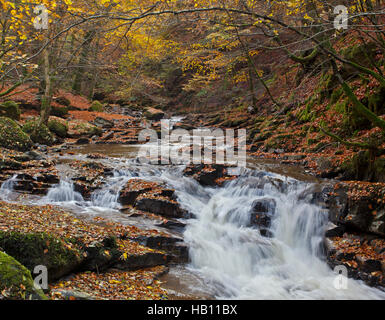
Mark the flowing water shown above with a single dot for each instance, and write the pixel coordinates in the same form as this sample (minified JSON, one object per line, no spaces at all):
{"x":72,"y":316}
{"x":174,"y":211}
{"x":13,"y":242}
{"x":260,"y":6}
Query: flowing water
{"x":230,"y":259}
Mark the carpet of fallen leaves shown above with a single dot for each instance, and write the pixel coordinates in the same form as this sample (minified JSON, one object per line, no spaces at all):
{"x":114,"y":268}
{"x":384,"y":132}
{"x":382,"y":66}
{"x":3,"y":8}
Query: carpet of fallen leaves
{"x":114,"y":285}
{"x":355,"y":250}
{"x":57,"y":222}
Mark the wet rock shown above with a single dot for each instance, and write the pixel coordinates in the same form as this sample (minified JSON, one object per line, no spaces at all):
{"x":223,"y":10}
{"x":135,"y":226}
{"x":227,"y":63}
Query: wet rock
{"x":262,"y":212}
{"x":146,"y":260}
{"x":82,"y":141}
{"x":335,"y":231}
{"x":154,"y":114}
{"x":173,"y":225}
{"x":206,"y":175}
{"x":174,"y":246}
{"x":103,"y":123}
{"x":160,"y":206}
{"x":369,"y":265}
{"x":133,"y":189}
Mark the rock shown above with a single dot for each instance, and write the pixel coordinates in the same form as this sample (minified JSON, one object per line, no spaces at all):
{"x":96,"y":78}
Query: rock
{"x":79,"y":128}
{"x":103,"y":123}
{"x":173,"y":225}
{"x":10,"y":109}
{"x":262,"y":212}
{"x":369,"y":265}
{"x":59,"y":111}
{"x":63,"y":101}
{"x":12,"y":137}
{"x":335,"y":231}
{"x":83,"y":141}
{"x":96,"y":106}
{"x":60,"y":128}
{"x":206,"y":175}
{"x":160,"y":206}
{"x":16,"y":281}
{"x":108,"y":136}
{"x":172,"y":245}
{"x":378,"y":224}
{"x":101,"y":255}
{"x":154,"y":114}
{"x":72,"y":294}
{"x":146,"y":260}
{"x":133,"y":189}
{"x":42,"y":249}
{"x":40,"y":135}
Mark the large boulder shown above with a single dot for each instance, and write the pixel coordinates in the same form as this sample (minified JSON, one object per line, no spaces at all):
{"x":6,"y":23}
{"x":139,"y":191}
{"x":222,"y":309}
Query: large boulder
{"x":154,"y":114}
{"x":12,"y":137}
{"x":10,"y":109}
{"x":58,"y":255}
{"x":16,"y":281}
{"x":39,"y":134}
{"x":60,"y":128}
{"x":79,"y":128}
{"x":59,"y":111}
{"x":96,"y":106}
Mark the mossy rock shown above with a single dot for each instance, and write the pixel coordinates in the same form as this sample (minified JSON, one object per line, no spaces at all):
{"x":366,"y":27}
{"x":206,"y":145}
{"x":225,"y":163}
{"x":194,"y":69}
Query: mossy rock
{"x":60,"y":112}
{"x":40,"y":135}
{"x":60,"y":256}
{"x":154,"y":114}
{"x":96,"y":106}
{"x":16,"y":281}
{"x":63,"y":101}
{"x":12,"y":137}
{"x":10,"y":109}
{"x":59,"y":128}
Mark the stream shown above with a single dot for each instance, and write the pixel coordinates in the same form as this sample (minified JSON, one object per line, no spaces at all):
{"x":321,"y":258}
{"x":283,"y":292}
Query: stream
{"x":229,"y":258}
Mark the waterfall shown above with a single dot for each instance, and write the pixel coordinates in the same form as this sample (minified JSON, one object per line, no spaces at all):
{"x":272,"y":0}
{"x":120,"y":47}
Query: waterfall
{"x":107,"y":197}
{"x":7,"y":188}
{"x":63,"y":192}
{"x":237,"y":262}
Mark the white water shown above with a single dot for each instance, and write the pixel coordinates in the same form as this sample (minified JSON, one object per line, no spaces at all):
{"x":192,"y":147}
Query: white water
{"x":63,"y":192}
{"x":238,"y":263}
{"x":7,"y":188}
{"x":234,"y":260}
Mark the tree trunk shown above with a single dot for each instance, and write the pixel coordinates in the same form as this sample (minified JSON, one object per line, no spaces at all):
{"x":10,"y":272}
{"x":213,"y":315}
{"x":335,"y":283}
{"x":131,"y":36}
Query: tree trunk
{"x":47,"y":98}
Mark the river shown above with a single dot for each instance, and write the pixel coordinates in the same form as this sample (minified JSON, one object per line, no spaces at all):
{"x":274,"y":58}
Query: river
{"x":230,"y":259}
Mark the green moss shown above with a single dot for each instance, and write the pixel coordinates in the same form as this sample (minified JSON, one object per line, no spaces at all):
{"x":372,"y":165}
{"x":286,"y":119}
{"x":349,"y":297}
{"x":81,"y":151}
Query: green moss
{"x":10,"y":109}
{"x":88,"y":129}
{"x":16,"y":281}
{"x":12,"y":137}
{"x":336,"y":95}
{"x":40,"y":135}
{"x":60,"y":112}
{"x":58,"y":128}
{"x":96,"y":106}
{"x":41,"y":249}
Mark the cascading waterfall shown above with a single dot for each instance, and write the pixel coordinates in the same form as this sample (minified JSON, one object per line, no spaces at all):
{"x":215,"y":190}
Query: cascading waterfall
{"x":237,"y":262}
{"x":63,"y":192}
{"x":7,"y":188}
{"x":107,"y":197}
{"x":227,"y":252}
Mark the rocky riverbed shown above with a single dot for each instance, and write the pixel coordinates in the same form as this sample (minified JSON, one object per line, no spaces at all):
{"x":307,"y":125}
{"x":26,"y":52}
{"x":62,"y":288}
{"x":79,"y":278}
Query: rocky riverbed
{"x":107,"y":227}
